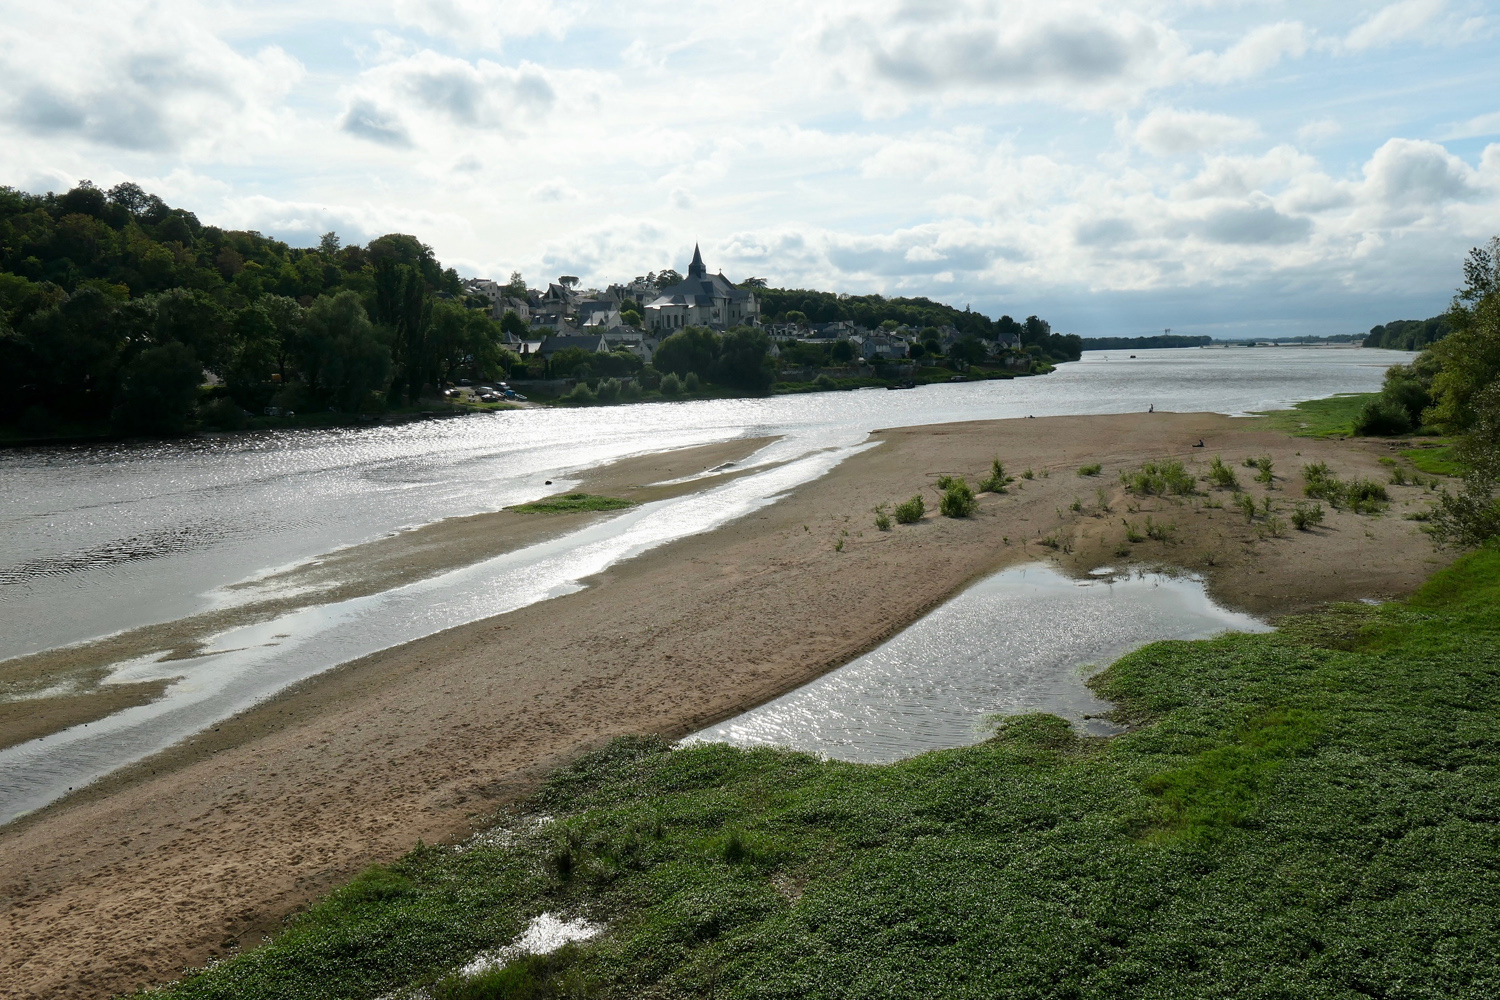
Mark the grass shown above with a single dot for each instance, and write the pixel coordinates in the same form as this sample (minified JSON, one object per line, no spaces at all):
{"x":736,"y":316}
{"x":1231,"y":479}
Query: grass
{"x":570,"y":503}
{"x":1307,"y":813}
{"x":1321,"y":418}
{"x":1438,"y":461}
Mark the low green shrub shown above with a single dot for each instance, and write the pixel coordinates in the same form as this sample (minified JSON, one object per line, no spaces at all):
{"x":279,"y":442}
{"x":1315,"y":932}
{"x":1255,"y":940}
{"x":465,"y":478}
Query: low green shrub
{"x":882,"y":519}
{"x":1157,"y":531}
{"x":581,"y":394}
{"x":1132,"y":535}
{"x":1306,"y":515}
{"x":691,"y":383}
{"x":1246,"y":503}
{"x":1159,"y":479}
{"x":1382,"y":418}
{"x":957,"y":500}
{"x":1265,"y":465}
{"x":671,"y":385}
{"x":911,"y":511}
{"x":609,"y":390}
{"x":997,"y":480}
{"x":1222,"y":475}
{"x":1090,"y":470}
{"x":825,"y":382}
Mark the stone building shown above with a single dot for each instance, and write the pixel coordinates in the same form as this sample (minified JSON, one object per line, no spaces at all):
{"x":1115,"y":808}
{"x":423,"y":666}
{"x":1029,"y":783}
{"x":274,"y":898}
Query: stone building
{"x":703,"y":299}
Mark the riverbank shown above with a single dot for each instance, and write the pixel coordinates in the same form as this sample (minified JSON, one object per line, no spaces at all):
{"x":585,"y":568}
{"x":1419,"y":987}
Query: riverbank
{"x":1295,"y":814}
{"x":203,"y":849}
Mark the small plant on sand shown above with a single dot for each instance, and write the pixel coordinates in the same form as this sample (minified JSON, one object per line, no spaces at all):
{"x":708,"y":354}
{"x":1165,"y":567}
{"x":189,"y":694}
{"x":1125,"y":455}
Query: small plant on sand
{"x":1157,"y":531}
{"x":1050,"y":542}
{"x":1159,"y":479}
{"x":943,"y":482}
{"x":1122,"y":550}
{"x":1222,"y":475}
{"x":996,"y":482}
{"x":1266,"y":506}
{"x":958,"y":499}
{"x":1398,"y":476}
{"x":1305,"y":516}
{"x":1076,"y":505}
{"x":1101,"y":496}
{"x":1132,"y":535}
{"x":1090,"y":470}
{"x":1246,"y":503}
{"x":1275,"y":525}
{"x":1365,"y":496}
{"x":1265,"y":466}
{"x":838,"y":546}
{"x":882,"y":519}
{"x":911,"y":511}
{"x":1028,"y":474}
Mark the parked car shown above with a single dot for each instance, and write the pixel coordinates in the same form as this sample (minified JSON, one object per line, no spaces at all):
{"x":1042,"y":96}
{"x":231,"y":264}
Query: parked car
{"x":490,"y":397}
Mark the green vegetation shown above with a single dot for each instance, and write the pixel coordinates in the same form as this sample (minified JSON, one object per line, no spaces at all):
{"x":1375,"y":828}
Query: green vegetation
{"x":1305,"y":813}
{"x":1264,"y":465}
{"x":571,"y":503}
{"x":957,"y":499}
{"x":798,"y":305}
{"x":911,"y":511}
{"x":997,"y":480}
{"x":882,"y":519}
{"x":1321,"y":418}
{"x":1222,"y":475}
{"x":1441,"y":460}
{"x":1144,"y":343}
{"x":1159,"y":479}
{"x":1305,"y":516}
{"x":114,"y":305}
{"x":1362,"y":496}
{"x":1246,"y":503}
{"x":1090,"y":470}
{"x":1408,"y":334}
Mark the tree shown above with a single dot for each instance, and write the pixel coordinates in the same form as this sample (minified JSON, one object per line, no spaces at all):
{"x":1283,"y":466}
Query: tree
{"x":248,"y":374}
{"x":159,"y":389}
{"x":328,"y":245}
{"x":842,"y":352}
{"x":1468,"y":359}
{"x":631,"y":318}
{"x":345,"y":356}
{"x":462,"y":338}
{"x":516,"y":289}
{"x":572,"y":362}
{"x":691,"y":349}
{"x":193,"y":318}
{"x":968,"y":350}
{"x":403,"y":304}
{"x":667,"y":278}
{"x":745,"y":360}
{"x":514,"y":325}
{"x":797,"y":317}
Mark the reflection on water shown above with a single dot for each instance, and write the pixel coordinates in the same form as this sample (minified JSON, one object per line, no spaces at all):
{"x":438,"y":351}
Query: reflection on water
{"x":247,"y":664}
{"x":1024,"y":640}
{"x":98,"y":539}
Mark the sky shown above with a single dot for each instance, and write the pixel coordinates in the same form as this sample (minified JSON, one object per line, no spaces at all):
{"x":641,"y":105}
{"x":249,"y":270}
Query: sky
{"x":1234,"y":168}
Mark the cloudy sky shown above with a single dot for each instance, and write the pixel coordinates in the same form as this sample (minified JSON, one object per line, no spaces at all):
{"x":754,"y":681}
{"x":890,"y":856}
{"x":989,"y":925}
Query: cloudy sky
{"x":1219,"y":166}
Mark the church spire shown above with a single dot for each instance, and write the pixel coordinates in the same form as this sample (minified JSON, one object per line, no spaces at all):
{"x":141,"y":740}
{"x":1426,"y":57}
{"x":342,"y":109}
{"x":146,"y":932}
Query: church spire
{"x":697,"y":270}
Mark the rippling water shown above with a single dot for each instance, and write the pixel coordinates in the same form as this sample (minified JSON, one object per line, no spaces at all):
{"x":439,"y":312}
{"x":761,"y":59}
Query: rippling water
{"x":1024,"y":640}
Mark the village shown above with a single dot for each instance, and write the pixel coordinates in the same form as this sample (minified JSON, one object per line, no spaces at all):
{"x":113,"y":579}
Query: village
{"x":635,"y":317}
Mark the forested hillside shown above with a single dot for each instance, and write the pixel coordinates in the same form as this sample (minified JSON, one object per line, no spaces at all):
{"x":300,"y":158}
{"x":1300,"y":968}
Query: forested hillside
{"x":1409,"y":334}
{"x":782,"y":305}
{"x":113,"y":304}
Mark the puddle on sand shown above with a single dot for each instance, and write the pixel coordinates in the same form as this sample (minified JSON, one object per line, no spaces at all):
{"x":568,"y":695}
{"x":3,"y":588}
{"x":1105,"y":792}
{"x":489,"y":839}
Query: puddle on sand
{"x":1024,"y":640}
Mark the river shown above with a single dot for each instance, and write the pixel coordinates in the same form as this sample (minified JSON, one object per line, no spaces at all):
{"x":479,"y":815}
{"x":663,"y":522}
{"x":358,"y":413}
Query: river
{"x":98,"y":539}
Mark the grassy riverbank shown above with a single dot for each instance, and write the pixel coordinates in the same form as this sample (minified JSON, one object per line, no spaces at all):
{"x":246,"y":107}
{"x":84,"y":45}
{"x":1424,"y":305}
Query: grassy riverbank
{"x":1311,"y":813}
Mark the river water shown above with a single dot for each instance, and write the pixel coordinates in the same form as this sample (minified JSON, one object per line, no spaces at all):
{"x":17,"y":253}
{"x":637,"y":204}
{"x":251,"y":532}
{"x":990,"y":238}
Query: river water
{"x":1024,"y":640}
{"x":98,"y":539}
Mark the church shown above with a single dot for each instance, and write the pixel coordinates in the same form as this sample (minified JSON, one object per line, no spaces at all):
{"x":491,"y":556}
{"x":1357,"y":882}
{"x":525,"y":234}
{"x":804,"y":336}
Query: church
{"x":702,"y":300}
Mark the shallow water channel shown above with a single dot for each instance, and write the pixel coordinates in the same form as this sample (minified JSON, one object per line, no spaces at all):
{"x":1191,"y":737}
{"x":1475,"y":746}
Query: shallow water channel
{"x":1024,"y":640}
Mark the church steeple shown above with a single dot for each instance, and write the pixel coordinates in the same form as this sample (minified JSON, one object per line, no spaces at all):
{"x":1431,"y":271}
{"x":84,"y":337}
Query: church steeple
{"x":697,"y":270}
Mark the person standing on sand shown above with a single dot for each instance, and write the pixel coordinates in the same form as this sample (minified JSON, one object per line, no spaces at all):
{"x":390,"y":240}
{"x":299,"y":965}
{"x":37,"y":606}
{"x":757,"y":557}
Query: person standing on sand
{"x":1151,"y":408}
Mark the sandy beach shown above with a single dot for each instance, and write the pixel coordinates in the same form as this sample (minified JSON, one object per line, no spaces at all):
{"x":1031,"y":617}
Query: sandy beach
{"x":205,"y":848}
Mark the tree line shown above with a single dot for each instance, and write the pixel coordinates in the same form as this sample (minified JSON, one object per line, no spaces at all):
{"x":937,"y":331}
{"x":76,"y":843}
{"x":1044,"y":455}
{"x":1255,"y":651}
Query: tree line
{"x":113,"y":305}
{"x":1159,"y":340}
{"x":1453,"y":388}
{"x":791,"y":305}
{"x":1408,"y":334}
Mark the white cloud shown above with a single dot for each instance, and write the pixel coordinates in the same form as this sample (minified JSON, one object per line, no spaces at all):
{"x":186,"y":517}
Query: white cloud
{"x":1408,"y":172}
{"x":1476,"y":127}
{"x":1393,"y":23}
{"x":486,"y":24}
{"x":1318,"y":131}
{"x":1168,"y":132}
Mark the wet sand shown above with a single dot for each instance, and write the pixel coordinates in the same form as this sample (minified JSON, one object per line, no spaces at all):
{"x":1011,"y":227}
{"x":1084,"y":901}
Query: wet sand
{"x":207,"y":846}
